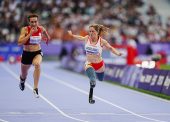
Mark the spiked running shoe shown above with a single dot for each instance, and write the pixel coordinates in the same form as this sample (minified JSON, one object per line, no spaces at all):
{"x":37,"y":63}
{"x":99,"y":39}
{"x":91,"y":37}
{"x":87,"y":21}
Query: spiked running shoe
{"x":35,"y":91}
{"x":22,"y":84}
{"x":91,"y":101}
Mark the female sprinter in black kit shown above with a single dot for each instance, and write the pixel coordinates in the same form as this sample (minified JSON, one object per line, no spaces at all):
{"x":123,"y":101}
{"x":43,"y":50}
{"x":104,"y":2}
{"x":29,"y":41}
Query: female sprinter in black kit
{"x":30,"y":37}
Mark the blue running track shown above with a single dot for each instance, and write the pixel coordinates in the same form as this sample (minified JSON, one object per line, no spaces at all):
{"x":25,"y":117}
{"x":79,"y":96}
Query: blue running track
{"x":64,"y":98}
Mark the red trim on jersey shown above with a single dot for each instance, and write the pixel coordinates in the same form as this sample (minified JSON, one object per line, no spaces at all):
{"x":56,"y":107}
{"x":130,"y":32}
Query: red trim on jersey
{"x":34,"y":34}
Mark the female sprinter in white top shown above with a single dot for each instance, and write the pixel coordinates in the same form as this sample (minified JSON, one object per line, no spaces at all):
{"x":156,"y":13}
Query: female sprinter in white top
{"x":94,"y":43}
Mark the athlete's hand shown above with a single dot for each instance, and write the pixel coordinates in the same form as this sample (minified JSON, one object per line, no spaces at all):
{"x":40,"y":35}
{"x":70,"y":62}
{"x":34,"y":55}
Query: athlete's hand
{"x":70,"y":33}
{"x":45,"y":38}
{"x":33,"y":30}
{"x":48,"y":36}
{"x":120,"y":54}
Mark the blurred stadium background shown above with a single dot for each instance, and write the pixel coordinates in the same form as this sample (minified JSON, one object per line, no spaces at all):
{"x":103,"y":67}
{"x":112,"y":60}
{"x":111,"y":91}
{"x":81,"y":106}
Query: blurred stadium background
{"x":140,"y":29}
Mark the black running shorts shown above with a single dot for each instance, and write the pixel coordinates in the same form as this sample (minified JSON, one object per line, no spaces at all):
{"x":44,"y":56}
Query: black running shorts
{"x":27,"y":57}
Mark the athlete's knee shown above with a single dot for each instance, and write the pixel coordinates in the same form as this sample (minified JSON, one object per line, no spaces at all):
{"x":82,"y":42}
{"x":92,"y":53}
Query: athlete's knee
{"x":100,"y":76}
{"x":92,"y":84}
{"x":91,"y":74}
{"x":37,"y":66}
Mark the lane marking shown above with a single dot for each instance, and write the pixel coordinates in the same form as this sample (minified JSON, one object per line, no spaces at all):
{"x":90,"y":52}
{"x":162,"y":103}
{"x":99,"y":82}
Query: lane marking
{"x":144,"y":94}
{"x":121,"y":114}
{"x":99,"y":98}
{"x":1,"y":120}
{"x":44,"y":98}
{"x":84,"y":92}
{"x":83,"y":113}
{"x":22,"y":113}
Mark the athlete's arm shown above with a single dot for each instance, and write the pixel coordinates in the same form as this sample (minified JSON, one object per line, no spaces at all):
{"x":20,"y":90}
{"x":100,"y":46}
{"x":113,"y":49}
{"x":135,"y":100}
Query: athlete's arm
{"x":44,"y":31}
{"x":22,"y":38}
{"x":83,"y":38}
{"x":109,"y":47}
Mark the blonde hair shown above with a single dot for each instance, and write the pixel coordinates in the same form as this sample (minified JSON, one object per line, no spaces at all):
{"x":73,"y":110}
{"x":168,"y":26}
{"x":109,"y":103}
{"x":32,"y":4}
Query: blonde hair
{"x":101,"y":29}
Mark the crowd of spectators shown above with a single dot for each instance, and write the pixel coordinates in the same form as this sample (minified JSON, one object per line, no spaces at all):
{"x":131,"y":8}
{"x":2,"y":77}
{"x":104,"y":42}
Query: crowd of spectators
{"x":127,"y":19}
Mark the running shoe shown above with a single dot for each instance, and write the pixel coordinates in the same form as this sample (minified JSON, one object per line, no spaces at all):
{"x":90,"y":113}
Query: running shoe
{"x":35,"y":91}
{"x":22,"y":84}
{"x":91,"y":101}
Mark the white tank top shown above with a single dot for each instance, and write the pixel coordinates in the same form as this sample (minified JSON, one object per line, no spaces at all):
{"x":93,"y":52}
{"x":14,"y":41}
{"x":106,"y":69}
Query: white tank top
{"x":93,"y":49}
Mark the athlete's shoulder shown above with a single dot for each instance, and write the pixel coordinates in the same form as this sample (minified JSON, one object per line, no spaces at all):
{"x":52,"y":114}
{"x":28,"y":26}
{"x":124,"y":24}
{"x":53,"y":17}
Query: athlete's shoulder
{"x":41,"y":27}
{"x":103,"y":41}
{"x":24,"y":29}
{"x":87,"y":36}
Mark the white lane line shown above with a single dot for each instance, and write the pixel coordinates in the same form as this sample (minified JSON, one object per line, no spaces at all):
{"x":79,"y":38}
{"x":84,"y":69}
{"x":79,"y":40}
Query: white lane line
{"x":144,"y":94}
{"x":121,"y":114}
{"x":99,"y":98}
{"x":22,"y":113}
{"x":78,"y":114}
{"x":1,"y":120}
{"x":94,"y":113}
{"x":44,"y":98}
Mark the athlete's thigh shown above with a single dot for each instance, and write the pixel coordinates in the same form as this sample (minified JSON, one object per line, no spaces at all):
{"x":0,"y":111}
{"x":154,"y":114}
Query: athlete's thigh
{"x":87,"y":65}
{"x":101,"y":69}
{"x":25,"y":67}
{"x":37,"y":60}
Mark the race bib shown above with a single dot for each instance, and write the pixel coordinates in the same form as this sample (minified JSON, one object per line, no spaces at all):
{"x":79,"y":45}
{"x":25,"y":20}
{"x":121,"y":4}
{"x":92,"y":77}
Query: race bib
{"x":35,"y":39}
{"x":91,"y":50}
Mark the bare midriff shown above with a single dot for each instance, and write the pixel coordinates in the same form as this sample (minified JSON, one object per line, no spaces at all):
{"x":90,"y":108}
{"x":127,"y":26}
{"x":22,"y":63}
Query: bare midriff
{"x":32,"y":48}
{"x":93,"y":58}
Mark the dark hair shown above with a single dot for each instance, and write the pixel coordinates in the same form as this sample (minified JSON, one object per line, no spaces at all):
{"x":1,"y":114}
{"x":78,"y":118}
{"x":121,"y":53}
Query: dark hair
{"x":101,"y":29}
{"x":31,"y":16}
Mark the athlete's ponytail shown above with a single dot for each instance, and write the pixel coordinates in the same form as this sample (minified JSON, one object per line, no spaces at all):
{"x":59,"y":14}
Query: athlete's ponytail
{"x":101,"y":29}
